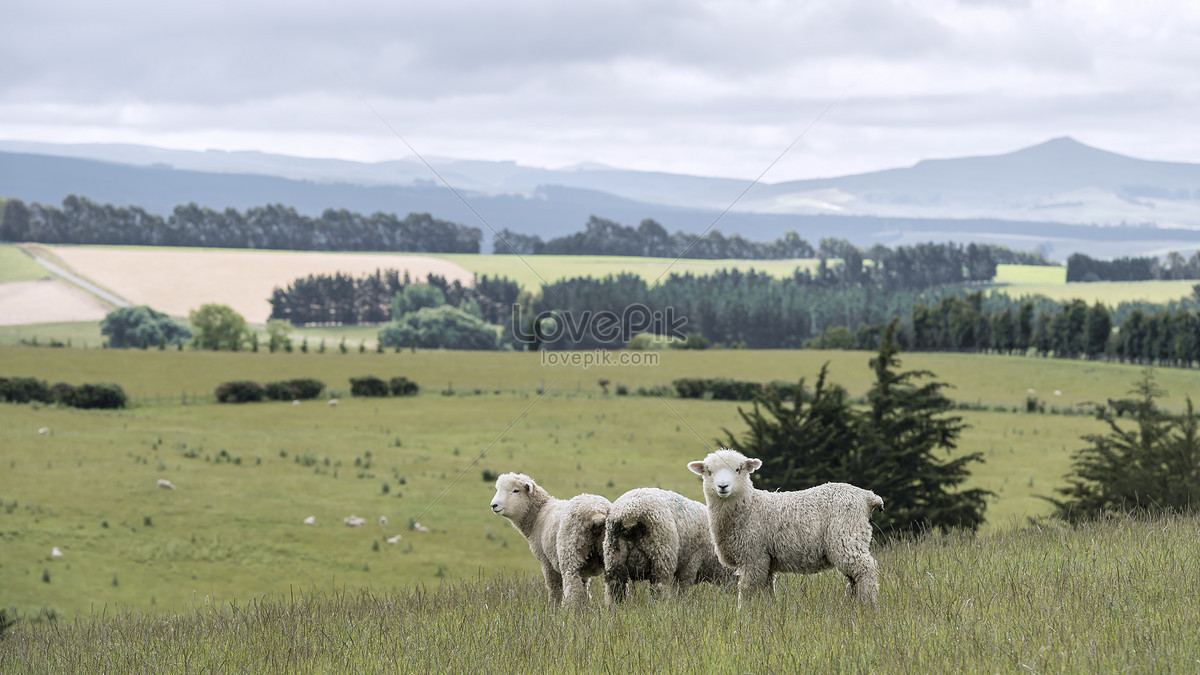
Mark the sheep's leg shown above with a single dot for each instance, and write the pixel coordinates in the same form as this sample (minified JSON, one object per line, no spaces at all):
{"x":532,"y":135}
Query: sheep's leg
{"x":554,"y":583}
{"x":574,"y":589}
{"x":864,"y":578}
{"x":754,"y":581}
{"x":686,"y":577}
{"x":662,"y":577}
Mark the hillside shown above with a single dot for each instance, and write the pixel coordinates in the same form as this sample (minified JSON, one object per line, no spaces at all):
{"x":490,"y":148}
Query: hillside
{"x":1049,"y":196}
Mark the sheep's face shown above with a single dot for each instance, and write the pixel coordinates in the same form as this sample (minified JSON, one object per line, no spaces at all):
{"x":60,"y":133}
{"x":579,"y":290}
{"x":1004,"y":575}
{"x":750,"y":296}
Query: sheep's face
{"x":512,"y":495}
{"x":725,"y":473}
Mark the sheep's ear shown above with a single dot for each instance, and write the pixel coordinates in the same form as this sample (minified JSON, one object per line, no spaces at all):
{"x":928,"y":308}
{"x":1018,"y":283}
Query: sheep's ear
{"x":696,"y":467}
{"x":753,"y":465}
{"x":529,"y":487}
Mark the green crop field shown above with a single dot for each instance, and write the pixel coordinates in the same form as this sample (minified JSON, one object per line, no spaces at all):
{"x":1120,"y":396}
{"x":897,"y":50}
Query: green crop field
{"x":247,"y":475}
{"x":16,"y":265}
{"x":531,"y":271}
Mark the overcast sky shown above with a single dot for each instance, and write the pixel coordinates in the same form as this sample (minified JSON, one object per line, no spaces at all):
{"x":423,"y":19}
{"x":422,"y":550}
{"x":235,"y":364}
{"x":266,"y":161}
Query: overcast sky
{"x":711,"y":88}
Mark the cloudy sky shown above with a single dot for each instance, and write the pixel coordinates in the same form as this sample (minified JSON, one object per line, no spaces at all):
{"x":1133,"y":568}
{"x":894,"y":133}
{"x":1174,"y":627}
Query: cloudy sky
{"x":711,"y":88}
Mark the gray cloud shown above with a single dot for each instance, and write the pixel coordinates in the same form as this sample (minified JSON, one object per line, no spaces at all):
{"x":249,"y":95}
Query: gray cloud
{"x":656,"y":84}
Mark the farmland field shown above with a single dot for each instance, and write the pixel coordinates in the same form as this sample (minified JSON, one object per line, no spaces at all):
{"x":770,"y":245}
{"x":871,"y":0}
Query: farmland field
{"x":247,"y":475}
{"x":16,"y":265}
{"x":550,"y":268}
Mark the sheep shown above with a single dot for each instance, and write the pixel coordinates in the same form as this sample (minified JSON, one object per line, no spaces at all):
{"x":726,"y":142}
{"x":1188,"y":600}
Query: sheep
{"x":43,"y":431}
{"x":165,"y":484}
{"x":296,"y":403}
{"x":763,"y":533}
{"x":332,"y":403}
{"x":662,"y":537}
{"x":354,"y":521}
{"x":417,"y":527}
{"x":56,"y":552}
{"x":311,"y":520}
{"x":565,"y":536}
{"x":383,"y":521}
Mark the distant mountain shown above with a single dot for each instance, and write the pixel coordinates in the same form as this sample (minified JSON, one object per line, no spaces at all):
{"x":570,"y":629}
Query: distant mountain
{"x":1038,"y":197}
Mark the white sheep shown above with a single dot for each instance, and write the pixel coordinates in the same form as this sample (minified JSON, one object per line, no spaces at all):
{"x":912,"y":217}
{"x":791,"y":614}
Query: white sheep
{"x":417,"y":527}
{"x":295,"y":403}
{"x":165,"y":484}
{"x":332,"y":403}
{"x":354,"y":521}
{"x":383,"y":521}
{"x":566,"y":536}
{"x":311,"y":520}
{"x":763,"y":533}
{"x":43,"y":431}
{"x":661,"y":537}
{"x":56,"y":552}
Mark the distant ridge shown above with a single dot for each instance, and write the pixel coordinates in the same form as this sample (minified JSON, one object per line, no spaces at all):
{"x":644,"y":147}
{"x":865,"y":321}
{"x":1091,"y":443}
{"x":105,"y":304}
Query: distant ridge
{"x":1038,"y":196}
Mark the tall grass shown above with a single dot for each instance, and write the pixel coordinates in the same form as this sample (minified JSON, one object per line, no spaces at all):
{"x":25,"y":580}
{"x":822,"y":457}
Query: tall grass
{"x":1111,"y":596}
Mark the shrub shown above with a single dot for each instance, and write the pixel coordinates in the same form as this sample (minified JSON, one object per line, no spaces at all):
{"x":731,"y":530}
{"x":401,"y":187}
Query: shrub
{"x":239,"y":391}
{"x":104,"y":395}
{"x":141,"y":327}
{"x":402,"y":386}
{"x":24,"y":390}
{"x":62,"y":393}
{"x":368,"y":385}
{"x":301,"y":388}
{"x":690,"y":387}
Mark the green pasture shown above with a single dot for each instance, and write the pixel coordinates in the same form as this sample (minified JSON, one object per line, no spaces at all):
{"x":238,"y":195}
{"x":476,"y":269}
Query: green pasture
{"x":16,"y":265}
{"x":247,"y":475}
{"x":81,"y":334}
{"x":1117,"y":596}
{"x":531,"y":271}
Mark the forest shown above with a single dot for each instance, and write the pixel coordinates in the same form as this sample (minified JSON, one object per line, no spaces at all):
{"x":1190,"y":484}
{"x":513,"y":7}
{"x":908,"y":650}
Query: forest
{"x":274,"y":226}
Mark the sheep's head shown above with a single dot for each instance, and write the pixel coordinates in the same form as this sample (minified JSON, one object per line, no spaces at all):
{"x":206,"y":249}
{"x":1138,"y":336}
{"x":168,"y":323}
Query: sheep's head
{"x":725,"y":473}
{"x":514,"y":494}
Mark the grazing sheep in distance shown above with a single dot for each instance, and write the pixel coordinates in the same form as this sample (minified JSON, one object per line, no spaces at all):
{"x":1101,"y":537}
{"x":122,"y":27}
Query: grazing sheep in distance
{"x":383,"y":521}
{"x":332,"y":403}
{"x":763,"y":533}
{"x":165,"y":484}
{"x":295,"y":403}
{"x":56,"y":552}
{"x":420,"y":528}
{"x":661,"y":537}
{"x":395,"y":540}
{"x":565,"y":536}
{"x":43,"y":431}
{"x":311,"y":520}
{"x":354,"y":521}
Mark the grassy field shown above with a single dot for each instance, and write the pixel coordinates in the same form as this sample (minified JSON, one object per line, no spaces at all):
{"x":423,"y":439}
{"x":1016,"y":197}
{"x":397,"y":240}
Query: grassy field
{"x":16,"y":265}
{"x":1110,"y":597}
{"x":248,"y":475}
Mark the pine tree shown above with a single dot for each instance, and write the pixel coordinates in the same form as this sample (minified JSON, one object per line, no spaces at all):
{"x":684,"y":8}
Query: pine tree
{"x":901,"y":436}
{"x":890,"y":448}
{"x":1153,"y":467}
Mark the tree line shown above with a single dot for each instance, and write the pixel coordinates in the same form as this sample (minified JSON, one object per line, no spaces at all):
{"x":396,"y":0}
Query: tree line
{"x":1173,"y":267}
{"x":274,"y":226}
{"x":650,"y":239}
{"x":346,"y":300}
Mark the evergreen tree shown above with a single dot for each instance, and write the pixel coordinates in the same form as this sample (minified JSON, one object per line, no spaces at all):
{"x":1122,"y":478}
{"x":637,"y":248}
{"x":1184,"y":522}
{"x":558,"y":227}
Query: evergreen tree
{"x":891,"y":448}
{"x":907,"y":425}
{"x":1154,"y":466}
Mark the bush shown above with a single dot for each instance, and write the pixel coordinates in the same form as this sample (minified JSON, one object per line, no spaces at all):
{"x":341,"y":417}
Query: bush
{"x":62,"y":393}
{"x":288,"y":390}
{"x":690,"y":387}
{"x":104,"y":395}
{"x":368,"y":385}
{"x":443,"y":327}
{"x":402,"y":386}
{"x":142,"y":327}
{"x":787,"y":391}
{"x":240,"y":391}
{"x":24,"y":390}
